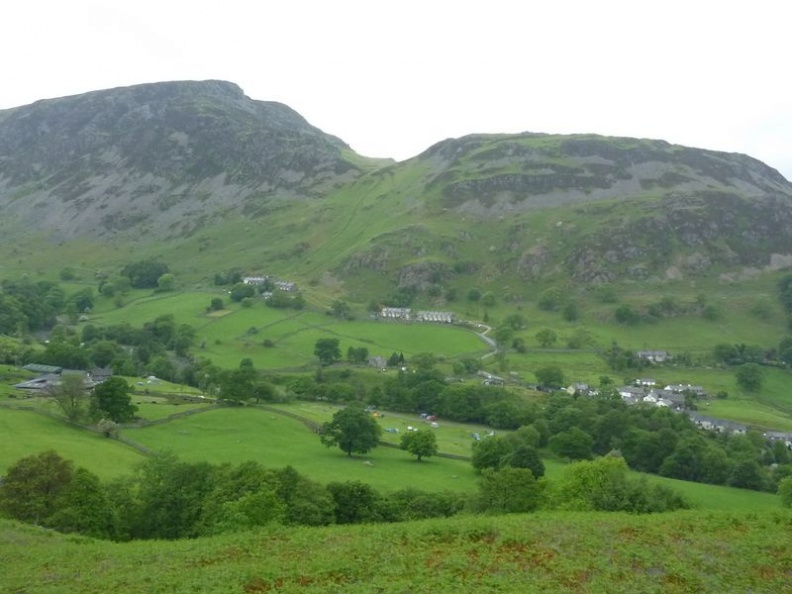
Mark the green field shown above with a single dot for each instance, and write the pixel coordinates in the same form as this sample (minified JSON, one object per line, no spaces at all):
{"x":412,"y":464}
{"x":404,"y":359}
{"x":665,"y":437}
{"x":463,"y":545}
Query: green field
{"x":239,"y":434}
{"x":24,"y":433}
{"x":672,"y":553}
{"x":452,"y":438}
{"x":236,"y":332}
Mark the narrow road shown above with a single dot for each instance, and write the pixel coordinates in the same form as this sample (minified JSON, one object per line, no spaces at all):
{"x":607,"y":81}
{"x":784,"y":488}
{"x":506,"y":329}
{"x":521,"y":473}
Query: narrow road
{"x":490,"y":342}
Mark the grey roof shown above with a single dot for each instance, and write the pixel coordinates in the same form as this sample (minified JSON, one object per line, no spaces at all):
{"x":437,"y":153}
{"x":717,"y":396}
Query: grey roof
{"x":38,"y":368}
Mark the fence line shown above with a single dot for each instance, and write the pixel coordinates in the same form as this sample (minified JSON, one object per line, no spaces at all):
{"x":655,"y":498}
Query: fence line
{"x":163,"y":420}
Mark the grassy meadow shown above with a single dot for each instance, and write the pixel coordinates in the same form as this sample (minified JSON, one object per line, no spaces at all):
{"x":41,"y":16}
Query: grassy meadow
{"x":25,"y":433}
{"x":239,"y":434}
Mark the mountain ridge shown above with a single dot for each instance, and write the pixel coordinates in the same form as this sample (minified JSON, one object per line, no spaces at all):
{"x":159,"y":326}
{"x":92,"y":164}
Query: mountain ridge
{"x":166,"y":163}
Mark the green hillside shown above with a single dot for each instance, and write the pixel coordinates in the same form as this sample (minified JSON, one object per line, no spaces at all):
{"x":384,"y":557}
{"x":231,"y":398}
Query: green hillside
{"x":200,"y":175}
{"x":666,"y":553}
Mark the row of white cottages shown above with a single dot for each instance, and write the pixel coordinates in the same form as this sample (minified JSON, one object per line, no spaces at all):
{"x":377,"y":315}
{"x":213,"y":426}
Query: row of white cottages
{"x":405,"y":314}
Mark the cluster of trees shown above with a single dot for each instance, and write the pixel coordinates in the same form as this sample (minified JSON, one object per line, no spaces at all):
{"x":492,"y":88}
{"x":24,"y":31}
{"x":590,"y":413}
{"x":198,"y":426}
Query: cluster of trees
{"x":228,"y":277}
{"x":666,"y":307}
{"x":146,"y":274}
{"x":748,"y":360}
{"x":244,"y":294}
{"x":27,"y":307}
{"x":785,"y":292}
{"x":557,"y":299}
{"x":515,"y":450}
{"x":128,"y":350}
{"x":621,"y":359}
{"x":285,"y":300}
{"x":425,"y":390}
{"x":603,"y":484}
{"x":328,"y":351}
{"x":341,"y":310}
{"x":167,"y":498}
{"x":161,"y":348}
{"x":109,"y":401}
{"x":237,"y":386}
{"x":660,"y":441}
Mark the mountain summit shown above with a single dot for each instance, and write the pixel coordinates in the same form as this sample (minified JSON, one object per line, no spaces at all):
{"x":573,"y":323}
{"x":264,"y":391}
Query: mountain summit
{"x":100,"y":163}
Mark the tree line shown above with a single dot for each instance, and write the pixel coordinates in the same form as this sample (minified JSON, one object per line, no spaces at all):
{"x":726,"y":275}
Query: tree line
{"x":168,"y":498}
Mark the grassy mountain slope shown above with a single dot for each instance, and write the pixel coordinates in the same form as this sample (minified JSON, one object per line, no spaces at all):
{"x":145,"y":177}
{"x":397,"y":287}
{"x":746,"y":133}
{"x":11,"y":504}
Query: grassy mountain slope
{"x":580,"y":208}
{"x":206,"y":178}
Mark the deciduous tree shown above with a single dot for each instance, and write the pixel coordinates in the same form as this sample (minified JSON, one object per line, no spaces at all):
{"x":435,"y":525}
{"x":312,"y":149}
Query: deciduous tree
{"x":236,"y":385}
{"x":340,"y":309}
{"x":327,"y":350}
{"x":83,"y":507}
{"x":525,"y":456}
{"x":749,"y":377}
{"x":603,"y":485}
{"x":421,"y":444}
{"x":357,"y":354}
{"x":112,"y":400}
{"x":355,"y":502}
{"x":516,"y":321}
{"x":489,"y":453}
{"x":546,"y":338}
{"x":509,"y":490}
{"x":32,"y":486}
{"x":574,"y":444}
{"x":70,"y":395}
{"x":550,"y":376}
{"x":353,"y":430}
{"x":166,"y":282}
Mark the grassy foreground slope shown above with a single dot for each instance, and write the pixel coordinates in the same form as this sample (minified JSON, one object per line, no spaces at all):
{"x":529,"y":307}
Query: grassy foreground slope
{"x":596,"y":552}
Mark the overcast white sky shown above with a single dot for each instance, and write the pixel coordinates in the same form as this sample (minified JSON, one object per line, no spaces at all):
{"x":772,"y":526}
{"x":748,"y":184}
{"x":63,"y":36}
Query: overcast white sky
{"x":392,"y":78}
